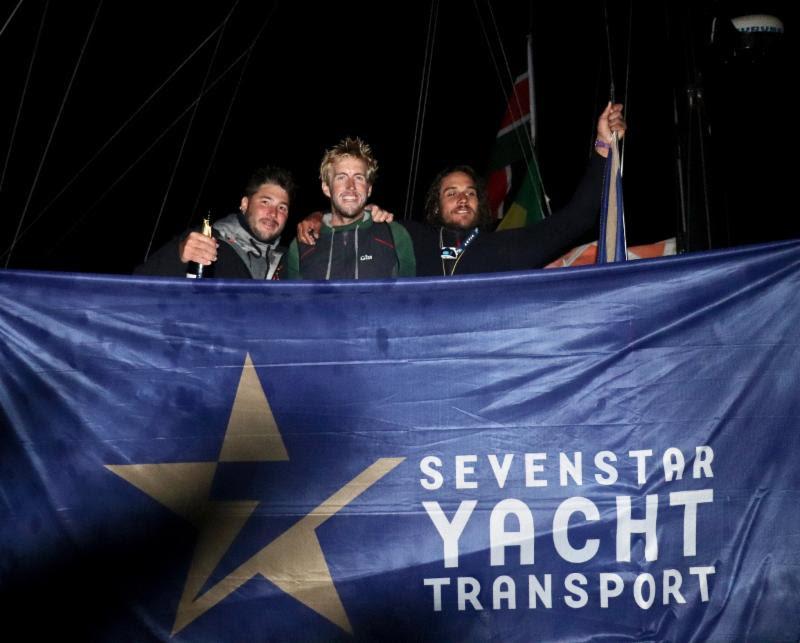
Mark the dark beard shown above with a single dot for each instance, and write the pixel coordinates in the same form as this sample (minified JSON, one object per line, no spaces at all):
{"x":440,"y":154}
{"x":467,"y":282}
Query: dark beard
{"x":462,"y":226}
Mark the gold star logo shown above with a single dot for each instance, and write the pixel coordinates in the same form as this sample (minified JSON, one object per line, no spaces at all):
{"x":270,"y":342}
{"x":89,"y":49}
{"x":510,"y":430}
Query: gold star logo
{"x":294,"y":561}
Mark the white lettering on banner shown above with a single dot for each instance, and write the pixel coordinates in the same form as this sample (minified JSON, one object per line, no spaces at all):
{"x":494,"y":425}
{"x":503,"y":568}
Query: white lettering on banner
{"x":702,"y":462}
{"x":561,"y":526}
{"x":533,"y":469}
{"x":574,"y":585}
{"x":605,"y":588}
{"x":672,"y":587}
{"x":673,"y":464}
{"x":537,"y":592}
{"x":501,"y":537}
{"x":463,"y":470}
{"x":504,"y":589}
{"x":572,"y":468}
{"x":437,"y":583}
{"x":435,"y":480}
{"x":702,"y":577}
{"x":468,"y":590}
{"x":641,"y":456}
{"x":450,"y":531}
{"x":627,"y":526}
{"x":511,"y":522}
{"x":501,"y":470}
{"x":638,"y":590}
{"x":603,"y":462}
{"x":690,"y":500}
{"x":610,"y":587}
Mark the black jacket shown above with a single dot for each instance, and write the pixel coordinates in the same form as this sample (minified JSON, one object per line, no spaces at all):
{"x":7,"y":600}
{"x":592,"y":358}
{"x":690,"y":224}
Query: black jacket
{"x":519,"y":249}
{"x":252,"y":261}
{"x":166,"y":262}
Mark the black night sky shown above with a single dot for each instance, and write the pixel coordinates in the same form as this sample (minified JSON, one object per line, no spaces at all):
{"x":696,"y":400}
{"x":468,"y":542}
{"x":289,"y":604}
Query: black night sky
{"x":129,"y":145}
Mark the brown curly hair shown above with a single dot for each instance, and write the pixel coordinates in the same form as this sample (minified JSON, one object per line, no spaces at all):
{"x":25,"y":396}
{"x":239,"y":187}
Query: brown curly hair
{"x":433,"y":213}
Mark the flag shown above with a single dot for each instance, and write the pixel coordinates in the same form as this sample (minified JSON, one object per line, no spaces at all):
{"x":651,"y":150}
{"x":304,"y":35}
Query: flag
{"x":516,"y":194}
{"x":546,"y":455}
{"x":586,"y":253}
{"x":611,"y":245}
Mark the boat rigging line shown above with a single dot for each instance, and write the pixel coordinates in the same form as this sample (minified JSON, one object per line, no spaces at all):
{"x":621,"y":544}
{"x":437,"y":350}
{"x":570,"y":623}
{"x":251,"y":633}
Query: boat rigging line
{"x":157,"y":140}
{"x":189,"y":129}
{"x":612,"y":92}
{"x":10,"y":17}
{"x":627,"y":81}
{"x":225,"y":119}
{"x":507,"y":79}
{"x":52,"y":132}
{"x":24,"y":94}
{"x":121,"y":128}
{"x":422,"y":104}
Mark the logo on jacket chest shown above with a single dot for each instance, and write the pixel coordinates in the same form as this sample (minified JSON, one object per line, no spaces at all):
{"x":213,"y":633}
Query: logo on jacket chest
{"x":365,"y":258}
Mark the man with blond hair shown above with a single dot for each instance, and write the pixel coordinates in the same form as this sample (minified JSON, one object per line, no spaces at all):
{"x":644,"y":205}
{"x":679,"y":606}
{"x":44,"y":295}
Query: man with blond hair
{"x":350,"y":244}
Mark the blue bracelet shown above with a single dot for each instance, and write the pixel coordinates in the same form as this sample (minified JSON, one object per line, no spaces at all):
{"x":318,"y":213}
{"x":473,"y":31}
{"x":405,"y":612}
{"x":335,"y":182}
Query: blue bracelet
{"x":603,"y":144}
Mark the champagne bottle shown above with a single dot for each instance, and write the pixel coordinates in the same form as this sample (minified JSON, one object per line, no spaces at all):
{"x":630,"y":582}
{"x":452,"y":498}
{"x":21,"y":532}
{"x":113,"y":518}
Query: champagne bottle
{"x":196,"y":270}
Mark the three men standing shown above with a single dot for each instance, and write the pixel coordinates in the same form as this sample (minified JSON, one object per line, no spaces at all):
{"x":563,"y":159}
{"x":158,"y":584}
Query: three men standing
{"x":351,"y":244}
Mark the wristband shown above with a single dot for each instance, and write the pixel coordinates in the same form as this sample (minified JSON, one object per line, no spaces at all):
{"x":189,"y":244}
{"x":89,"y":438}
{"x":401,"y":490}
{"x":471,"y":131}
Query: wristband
{"x":601,"y":143}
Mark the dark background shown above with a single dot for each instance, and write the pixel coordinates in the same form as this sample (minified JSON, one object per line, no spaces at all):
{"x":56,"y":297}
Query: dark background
{"x":319,"y":72}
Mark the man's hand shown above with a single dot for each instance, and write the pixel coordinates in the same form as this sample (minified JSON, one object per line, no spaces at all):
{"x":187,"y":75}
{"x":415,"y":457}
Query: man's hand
{"x":198,"y":248}
{"x":308,"y":229}
{"x":610,"y":121}
{"x":379,"y":215}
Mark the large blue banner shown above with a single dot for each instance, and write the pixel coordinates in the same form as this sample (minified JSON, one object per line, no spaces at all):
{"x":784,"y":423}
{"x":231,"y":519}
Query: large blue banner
{"x":603,"y":453}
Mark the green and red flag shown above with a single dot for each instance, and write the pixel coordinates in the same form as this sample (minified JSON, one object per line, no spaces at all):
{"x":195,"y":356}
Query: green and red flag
{"x":516,"y":194}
